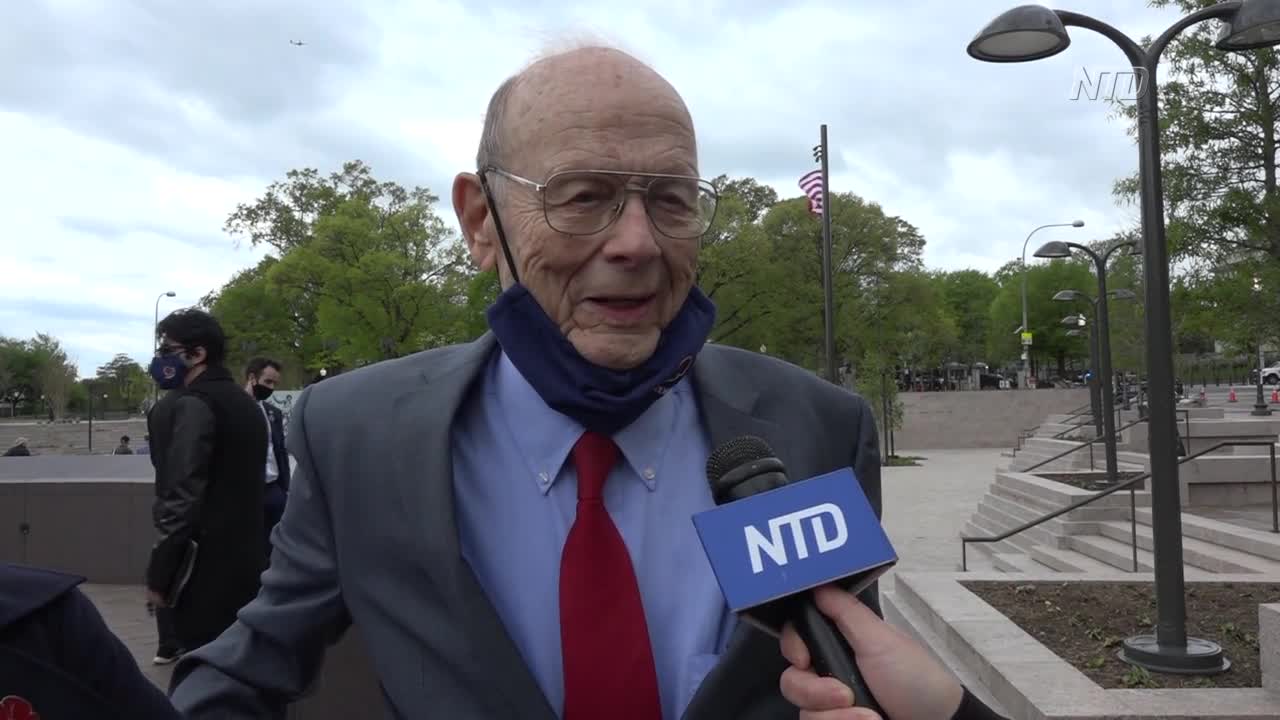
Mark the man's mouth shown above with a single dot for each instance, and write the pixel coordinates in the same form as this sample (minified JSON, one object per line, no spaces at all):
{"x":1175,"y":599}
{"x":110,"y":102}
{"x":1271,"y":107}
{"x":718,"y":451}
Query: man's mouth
{"x":623,"y":309}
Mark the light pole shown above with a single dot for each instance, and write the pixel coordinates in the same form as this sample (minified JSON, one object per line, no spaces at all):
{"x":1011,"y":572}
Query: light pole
{"x":1260,"y":408}
{"x":1100,"y":337}
{"x":155,"y":339}
{"x":1026,"y":353}
{"x":1032,"y":32}
{"x":1076,"y":322}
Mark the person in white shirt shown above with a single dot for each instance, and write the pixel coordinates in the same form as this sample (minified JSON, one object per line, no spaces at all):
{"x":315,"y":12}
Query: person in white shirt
{"x":261,"y":376}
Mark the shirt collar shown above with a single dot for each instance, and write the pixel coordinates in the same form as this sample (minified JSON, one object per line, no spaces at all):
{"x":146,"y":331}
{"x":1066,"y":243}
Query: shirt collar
{"x":545,"y":437}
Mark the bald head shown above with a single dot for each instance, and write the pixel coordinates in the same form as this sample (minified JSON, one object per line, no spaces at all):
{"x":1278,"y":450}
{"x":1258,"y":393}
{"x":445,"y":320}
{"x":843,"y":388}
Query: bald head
{"x":569,"y":81}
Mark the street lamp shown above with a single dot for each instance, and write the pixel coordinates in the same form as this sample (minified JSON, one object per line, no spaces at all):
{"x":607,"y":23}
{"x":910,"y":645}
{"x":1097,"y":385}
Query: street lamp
{"x":1026,"y":355}
{"x":1260,"y":408}
{"x":1095,"y":386}
{"x":1032,"y":32}
{"x":1059,"y":249}
{"x":1100,"y":347}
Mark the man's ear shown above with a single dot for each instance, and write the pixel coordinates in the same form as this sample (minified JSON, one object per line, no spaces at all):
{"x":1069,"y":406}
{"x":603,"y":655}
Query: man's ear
{"x":473,"y":217}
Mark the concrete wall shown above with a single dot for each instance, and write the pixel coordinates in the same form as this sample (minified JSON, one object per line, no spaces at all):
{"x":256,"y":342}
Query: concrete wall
{"x":91,"y":516}
{"x":978,"y":418}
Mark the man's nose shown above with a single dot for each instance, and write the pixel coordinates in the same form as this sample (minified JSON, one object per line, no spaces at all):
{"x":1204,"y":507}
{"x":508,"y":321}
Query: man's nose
{"x":632,"y":235}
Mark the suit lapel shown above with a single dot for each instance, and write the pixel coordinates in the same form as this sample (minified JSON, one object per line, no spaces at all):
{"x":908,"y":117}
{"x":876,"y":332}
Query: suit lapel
{"x":422,"y":420}
{"x":727,"y":399}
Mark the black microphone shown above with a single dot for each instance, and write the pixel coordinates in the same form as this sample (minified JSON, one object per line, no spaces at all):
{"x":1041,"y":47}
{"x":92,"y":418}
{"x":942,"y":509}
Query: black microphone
{"x":743,"y":467}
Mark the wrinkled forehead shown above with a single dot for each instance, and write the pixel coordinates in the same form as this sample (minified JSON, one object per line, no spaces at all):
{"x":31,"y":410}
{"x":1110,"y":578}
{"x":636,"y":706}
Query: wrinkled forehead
{"x":598,"y":117}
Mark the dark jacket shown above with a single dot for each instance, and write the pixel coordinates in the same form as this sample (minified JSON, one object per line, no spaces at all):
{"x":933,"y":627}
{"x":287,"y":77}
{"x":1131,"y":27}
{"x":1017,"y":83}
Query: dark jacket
{"x":208,"y":444}
{"x":58,"y":659}
{"x":278,"y":449}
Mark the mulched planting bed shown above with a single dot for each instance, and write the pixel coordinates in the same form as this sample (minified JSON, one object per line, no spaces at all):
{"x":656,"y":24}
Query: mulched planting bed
{"x":1087,"y":481}
{"x":1084,"y":623}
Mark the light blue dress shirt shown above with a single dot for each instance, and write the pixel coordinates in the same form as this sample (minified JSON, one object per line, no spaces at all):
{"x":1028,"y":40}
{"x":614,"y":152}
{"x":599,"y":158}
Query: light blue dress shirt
{"x":515,"y":491}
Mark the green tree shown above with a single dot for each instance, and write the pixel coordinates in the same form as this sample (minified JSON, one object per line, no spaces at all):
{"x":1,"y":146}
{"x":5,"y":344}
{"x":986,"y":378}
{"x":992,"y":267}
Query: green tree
{"x":361,"y":270}
{"x":127,"y":380}
{"x":1044,"y":316}
{"x":55,"y":373}
{"x":1219,"y":117}
{"x":966,"y":297}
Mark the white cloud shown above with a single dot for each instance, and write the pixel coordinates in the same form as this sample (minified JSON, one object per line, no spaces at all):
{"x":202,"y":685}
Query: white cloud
{"x":130,"y":133}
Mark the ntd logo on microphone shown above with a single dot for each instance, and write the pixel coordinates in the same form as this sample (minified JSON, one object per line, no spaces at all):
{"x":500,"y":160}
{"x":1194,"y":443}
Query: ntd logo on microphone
{"x":758,"y":544}
{"x":797,"y":537}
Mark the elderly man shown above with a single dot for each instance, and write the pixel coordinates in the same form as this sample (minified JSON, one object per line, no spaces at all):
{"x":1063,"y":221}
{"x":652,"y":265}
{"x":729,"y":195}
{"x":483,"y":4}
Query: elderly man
{"x":454,"y":505}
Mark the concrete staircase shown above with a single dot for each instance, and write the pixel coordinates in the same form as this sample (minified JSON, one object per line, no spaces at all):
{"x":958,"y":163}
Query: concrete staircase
{"x":1098,"y":538}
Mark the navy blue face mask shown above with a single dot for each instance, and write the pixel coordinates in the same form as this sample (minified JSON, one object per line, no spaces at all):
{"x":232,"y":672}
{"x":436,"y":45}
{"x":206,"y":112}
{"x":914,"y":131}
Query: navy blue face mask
{"x":168,"y":370}
{"x":599,"y":398}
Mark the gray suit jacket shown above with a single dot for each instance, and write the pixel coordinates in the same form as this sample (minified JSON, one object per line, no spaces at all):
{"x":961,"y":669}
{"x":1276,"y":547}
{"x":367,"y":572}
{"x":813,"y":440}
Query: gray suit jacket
{"x":369,"y":536}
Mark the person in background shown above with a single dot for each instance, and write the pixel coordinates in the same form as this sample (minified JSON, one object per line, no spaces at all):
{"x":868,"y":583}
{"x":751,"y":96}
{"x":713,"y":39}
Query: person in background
{"x":145,"y":447}
{"x":19,"y":449}
{"x":123,"y":448}
{"x":261,"y":376}
{"x":209,"y":444}
{"x":58,"y":658}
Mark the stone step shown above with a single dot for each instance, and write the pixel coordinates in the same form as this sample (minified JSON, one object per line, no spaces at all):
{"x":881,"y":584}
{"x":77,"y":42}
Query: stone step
{"x":1018,"y":563}
{"x":1117,"y":554}
{"x":1060,"y":494}
{"x":1067,"y":560}
{"x":980,"y":527}
{"x":1011,"y":515}
{"x":1088,"y":513}
{"x":1236,"y":537}
{"x":1195,"y":552}
{"x":901,"y":613}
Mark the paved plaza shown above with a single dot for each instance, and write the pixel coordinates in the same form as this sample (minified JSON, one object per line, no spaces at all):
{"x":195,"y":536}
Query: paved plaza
{"x":925,"y":509}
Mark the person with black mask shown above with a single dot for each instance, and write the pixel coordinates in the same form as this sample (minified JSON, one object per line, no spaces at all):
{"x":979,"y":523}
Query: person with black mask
{"x":209,"y":442}
{"x":261,"y":376}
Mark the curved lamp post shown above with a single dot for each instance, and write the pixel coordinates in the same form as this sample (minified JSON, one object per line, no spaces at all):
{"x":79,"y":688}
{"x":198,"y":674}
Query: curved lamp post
{"x":155,"y":338}
{"x":1100,"y":340}
{"x":1032,"y":32}
{"x":1026,"y":355}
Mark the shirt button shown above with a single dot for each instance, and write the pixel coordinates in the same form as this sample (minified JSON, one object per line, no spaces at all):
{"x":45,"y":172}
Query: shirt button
{"x":649,"y":474}
{"x":544,"y":478}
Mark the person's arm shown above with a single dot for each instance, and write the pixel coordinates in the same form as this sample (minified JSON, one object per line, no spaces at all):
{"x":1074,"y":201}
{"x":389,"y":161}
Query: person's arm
{"x":905,"y":678}
{"x":181,"y":482}
{"x":87,"y":650}
{"x":272,"y":653}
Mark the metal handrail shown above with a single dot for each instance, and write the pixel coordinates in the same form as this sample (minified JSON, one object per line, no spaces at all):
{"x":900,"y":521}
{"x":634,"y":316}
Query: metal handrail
{"x":1130,"y":484}
{"x":1026,"y":433}
{"x":1090,"y":443}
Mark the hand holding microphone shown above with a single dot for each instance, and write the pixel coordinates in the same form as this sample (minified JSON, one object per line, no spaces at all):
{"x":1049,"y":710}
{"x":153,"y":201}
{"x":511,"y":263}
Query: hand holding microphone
{"x":905,"y":678}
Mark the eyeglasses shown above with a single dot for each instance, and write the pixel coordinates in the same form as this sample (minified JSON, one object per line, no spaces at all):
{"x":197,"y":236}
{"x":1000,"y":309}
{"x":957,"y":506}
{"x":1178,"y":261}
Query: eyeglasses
{"x":584,"y":202}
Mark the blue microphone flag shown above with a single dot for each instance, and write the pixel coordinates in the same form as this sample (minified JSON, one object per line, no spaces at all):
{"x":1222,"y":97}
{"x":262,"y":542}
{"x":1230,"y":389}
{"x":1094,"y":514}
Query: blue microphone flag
{"x":775,"y":544}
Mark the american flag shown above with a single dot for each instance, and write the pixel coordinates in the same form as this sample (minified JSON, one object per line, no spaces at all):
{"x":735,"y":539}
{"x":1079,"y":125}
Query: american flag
{"x":811,"y":184}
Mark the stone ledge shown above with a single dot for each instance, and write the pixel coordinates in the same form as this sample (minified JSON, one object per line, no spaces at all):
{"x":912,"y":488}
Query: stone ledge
{"x":1032,"y":682}
{"x":1269,"y":645}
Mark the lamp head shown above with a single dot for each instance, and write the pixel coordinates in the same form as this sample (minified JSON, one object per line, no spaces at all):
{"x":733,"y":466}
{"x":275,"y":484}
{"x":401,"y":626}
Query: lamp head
{"x":1255,"y":25}
{"x":1075,"y":333}
{"x":170,"y":293}
{"x":1123,"y":294}
{"x":1077,"y":223}
{"x":1054,"y":249}
{"x":1074,"y":321}
{"x":1069,"y":296}
{"x":1025,"y":33}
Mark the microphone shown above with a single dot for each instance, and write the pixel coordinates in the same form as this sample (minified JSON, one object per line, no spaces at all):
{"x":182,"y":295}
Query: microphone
{"x":768,"y":580}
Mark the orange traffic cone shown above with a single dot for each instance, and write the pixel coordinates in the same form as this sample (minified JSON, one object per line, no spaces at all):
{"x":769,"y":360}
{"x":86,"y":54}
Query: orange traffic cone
{"x":1232,"y":396}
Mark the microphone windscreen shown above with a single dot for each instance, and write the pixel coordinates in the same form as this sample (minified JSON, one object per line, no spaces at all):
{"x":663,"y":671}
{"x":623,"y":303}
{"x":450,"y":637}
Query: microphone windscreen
{"x":736,"y":453}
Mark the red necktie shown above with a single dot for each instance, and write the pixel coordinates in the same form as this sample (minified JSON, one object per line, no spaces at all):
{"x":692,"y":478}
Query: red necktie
{"x":608,"y":665}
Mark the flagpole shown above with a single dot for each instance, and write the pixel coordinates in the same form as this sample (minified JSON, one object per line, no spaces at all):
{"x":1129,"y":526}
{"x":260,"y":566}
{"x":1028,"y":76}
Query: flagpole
{"x":828,"y":297}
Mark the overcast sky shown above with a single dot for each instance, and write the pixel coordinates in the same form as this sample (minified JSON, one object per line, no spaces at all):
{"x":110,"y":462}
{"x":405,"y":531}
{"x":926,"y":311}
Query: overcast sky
{"x":129,"y":129}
